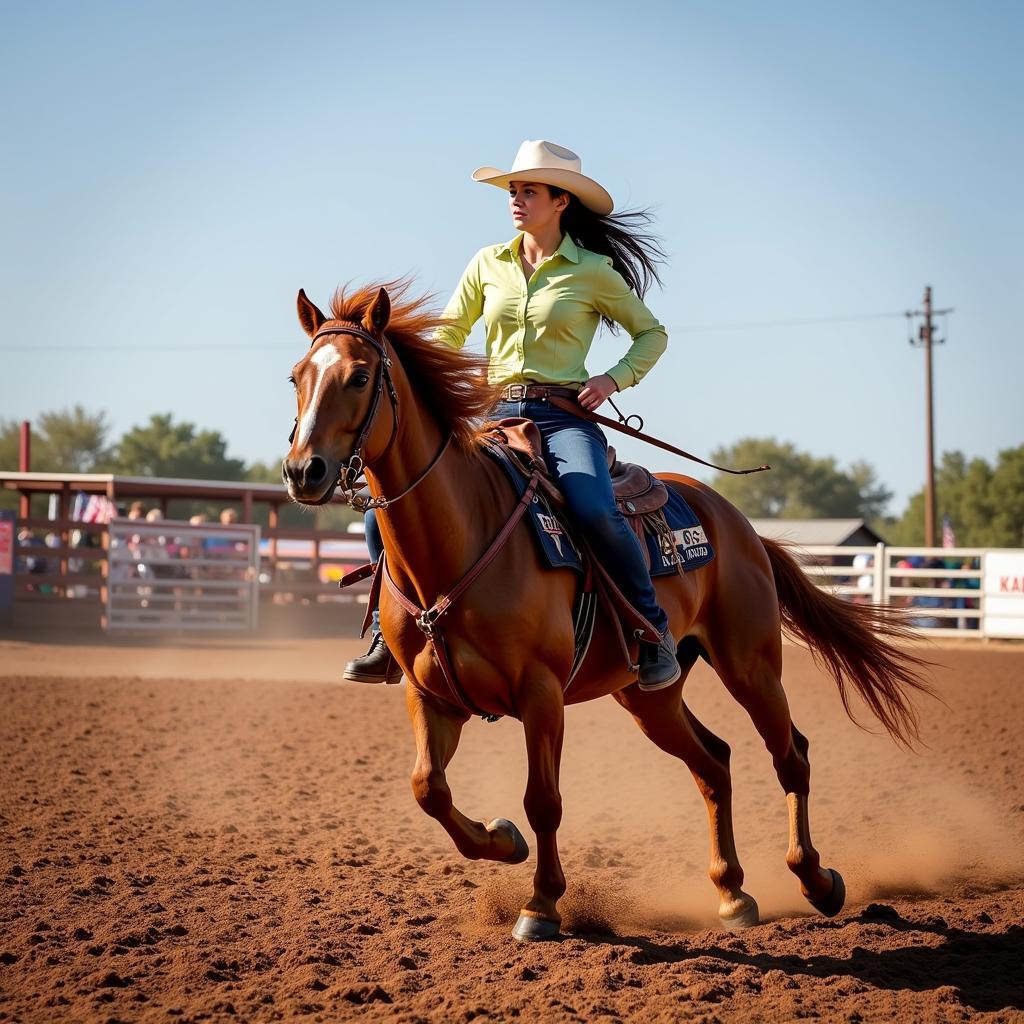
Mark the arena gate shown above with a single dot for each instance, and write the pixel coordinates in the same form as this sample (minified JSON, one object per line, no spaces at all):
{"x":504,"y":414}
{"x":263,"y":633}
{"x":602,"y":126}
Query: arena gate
{"x":169,"y":575}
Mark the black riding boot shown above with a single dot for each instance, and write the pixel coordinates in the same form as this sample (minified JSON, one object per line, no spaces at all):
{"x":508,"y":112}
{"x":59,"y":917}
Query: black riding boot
{"x":377,"y":665}
{"x":659,"y":666}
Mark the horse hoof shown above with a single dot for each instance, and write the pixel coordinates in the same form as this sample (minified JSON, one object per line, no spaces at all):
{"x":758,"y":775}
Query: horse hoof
{"x":746,"y":917}
{"x":831,"y":904}
{"x":521,"y":850}
{"x":534,"y":929}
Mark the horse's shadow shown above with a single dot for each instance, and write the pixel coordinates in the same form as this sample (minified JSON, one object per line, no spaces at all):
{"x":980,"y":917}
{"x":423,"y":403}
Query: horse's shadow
{"x":984,"y":968}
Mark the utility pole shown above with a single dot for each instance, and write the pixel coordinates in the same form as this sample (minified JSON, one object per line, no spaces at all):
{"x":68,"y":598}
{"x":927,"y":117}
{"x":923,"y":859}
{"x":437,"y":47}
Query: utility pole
{"x":926,"y":338}
{"x":25,"y":466}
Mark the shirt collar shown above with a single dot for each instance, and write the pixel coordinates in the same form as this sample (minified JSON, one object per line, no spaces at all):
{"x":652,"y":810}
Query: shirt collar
{"x":567,"y":248}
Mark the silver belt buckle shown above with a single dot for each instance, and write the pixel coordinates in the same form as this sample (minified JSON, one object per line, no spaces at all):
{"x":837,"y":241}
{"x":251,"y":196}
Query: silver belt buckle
{"x":516,"y":392}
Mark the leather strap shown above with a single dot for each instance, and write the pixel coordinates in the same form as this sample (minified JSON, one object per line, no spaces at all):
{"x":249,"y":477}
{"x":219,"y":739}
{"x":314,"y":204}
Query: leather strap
{"x":358,"y":575}
{"x":436,"y":640}
{"x":428,"y":618}
{"x":533,"y":392}
{"x":373,"y":599}
{"x":363,"y":503}
{"x":585,"y":414}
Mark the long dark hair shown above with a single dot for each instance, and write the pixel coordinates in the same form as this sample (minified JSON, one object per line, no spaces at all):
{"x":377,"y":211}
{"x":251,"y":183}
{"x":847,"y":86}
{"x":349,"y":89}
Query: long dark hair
{"x":635,"y":253}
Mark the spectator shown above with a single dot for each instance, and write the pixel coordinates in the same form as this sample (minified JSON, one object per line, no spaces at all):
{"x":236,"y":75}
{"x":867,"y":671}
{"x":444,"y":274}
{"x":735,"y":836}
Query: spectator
{"x":154,"y":554}
{"x":967,"y":583}
{"x":929,"y":600}
{"x":34,"y":564}
{"x":863,"y":562}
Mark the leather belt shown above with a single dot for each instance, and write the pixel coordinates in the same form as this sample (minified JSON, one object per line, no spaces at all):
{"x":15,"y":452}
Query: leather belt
{"x":536,"y":392}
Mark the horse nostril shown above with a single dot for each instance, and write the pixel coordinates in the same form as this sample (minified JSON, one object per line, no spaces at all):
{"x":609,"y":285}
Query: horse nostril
{"x":316,"y":470}
{"x":291,"y":473}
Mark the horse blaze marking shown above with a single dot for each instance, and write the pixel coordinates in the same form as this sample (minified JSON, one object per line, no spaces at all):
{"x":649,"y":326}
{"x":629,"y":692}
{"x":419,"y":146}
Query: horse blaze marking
{"x":322,"y":359}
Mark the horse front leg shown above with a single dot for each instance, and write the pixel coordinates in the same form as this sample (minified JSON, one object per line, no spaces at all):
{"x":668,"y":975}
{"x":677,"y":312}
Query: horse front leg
{"x":543,"y":720}
{"x":437,"y":729}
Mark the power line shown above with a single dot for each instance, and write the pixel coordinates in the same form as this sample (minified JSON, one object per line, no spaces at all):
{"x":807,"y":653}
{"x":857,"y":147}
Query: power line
{"x":742,"y":325}
{"x":142,"y":349}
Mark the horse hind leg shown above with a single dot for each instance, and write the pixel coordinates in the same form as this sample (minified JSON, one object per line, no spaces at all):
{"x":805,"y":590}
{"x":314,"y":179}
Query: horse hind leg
{"x":437,"y":734}
{"x":666,"y":721}
{"x":758,"y":687}
{"x":824,"y":888}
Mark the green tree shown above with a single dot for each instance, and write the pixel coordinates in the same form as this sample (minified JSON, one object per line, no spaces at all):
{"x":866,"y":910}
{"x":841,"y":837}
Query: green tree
{"x":9,"y":445}
{"x":799,"y":485}
{"x":984,"y":503}
{"x":167,"y":449}
{"x":74,"y":441}
{"x":64,"y":441}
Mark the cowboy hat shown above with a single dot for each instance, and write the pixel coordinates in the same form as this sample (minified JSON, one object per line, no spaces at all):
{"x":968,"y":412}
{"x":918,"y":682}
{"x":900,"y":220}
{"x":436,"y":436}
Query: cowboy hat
{"x":550,"y":164}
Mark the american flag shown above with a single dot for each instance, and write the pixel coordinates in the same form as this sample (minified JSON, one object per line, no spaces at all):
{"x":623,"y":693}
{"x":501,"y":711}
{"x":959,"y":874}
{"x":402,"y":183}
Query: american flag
{"x":948,"y":536}
{"x":98,"y":509}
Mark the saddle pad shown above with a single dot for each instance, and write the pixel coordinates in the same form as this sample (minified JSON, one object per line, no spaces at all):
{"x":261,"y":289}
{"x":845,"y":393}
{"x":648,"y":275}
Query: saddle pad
{"x":554,"y":542}
{"x":692,"y":548}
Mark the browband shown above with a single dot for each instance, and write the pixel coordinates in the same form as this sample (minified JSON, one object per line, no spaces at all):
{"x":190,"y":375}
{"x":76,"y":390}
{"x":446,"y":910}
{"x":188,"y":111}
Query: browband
{"x":352,"y":329}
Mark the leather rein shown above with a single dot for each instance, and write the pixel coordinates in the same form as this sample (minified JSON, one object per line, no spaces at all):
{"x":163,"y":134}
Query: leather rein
{"x":623,"y":426}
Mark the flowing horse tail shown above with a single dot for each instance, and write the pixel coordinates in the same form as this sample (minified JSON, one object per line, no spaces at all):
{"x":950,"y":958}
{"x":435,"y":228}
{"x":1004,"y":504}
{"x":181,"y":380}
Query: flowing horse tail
{"x":856,"y":644}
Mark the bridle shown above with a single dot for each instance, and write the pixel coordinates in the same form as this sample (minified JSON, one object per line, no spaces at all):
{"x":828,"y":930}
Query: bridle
{"x":352,"y":468}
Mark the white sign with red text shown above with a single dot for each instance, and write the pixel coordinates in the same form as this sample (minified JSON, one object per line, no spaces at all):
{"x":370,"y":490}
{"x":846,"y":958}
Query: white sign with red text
{"x":1003,"y":585}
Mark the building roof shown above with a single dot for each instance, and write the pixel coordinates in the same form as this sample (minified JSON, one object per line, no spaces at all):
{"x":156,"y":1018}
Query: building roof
{"x":118,"y":487}
{"x":833,"y":532}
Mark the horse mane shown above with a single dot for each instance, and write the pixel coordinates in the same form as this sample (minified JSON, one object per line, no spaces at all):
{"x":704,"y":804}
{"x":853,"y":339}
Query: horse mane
{"x":452,"y":384}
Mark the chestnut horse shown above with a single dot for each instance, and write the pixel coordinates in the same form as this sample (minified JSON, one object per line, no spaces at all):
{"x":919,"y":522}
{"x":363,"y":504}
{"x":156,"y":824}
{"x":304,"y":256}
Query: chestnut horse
{"x":375,"y":393}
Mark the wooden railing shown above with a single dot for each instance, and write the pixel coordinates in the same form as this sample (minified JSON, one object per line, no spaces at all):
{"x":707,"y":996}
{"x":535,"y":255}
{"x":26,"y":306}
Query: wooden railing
{"x":297,"y":565}
{"x":62,"y":570}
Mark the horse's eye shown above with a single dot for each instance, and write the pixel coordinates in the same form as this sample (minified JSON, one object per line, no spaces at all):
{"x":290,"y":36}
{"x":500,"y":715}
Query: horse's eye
{"x":360,"y":380}
{"x":291,"y":380}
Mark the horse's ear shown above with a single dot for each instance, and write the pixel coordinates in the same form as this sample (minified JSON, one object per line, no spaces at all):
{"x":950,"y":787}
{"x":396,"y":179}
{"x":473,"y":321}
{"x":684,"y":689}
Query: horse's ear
{"x":309,"y":316}
{"x":379,"y":313}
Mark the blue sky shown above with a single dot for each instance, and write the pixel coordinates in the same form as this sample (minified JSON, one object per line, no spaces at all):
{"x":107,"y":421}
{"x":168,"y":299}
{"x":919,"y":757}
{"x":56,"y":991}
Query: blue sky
{"x":172,"y":174}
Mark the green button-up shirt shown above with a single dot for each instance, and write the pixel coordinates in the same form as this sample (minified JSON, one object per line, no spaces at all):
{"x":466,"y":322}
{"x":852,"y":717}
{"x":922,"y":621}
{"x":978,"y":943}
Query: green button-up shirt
{"x":540,"y":331}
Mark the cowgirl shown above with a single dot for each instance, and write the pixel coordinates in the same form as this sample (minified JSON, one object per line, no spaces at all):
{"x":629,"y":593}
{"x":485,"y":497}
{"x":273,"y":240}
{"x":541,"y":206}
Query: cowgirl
{"x":542,"y":295}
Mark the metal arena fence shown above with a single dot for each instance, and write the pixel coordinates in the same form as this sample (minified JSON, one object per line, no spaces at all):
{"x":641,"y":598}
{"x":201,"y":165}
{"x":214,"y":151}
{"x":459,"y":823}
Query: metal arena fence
{"x":171,"y":575}
{"x":961,"y":592}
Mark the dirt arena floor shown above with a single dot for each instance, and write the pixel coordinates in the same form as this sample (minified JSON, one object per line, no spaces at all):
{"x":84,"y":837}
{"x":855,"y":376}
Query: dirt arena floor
{"x":223,"y":832}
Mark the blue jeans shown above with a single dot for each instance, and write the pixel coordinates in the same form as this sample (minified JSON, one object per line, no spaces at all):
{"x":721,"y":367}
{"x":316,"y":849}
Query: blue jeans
{"x":576,"y":453}
{"x":376,"y":547}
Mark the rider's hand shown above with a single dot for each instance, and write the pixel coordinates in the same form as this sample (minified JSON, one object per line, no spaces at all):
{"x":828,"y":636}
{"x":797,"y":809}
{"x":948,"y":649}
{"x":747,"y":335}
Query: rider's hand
{"x":596,"y":390}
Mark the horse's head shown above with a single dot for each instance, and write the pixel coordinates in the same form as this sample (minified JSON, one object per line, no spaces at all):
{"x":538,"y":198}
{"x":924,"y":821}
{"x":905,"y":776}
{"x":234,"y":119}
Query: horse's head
{"x":341,"y":397}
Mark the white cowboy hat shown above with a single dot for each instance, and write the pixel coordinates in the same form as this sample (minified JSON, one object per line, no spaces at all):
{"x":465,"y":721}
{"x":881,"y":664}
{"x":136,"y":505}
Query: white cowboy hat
{"x":550,"y":164}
